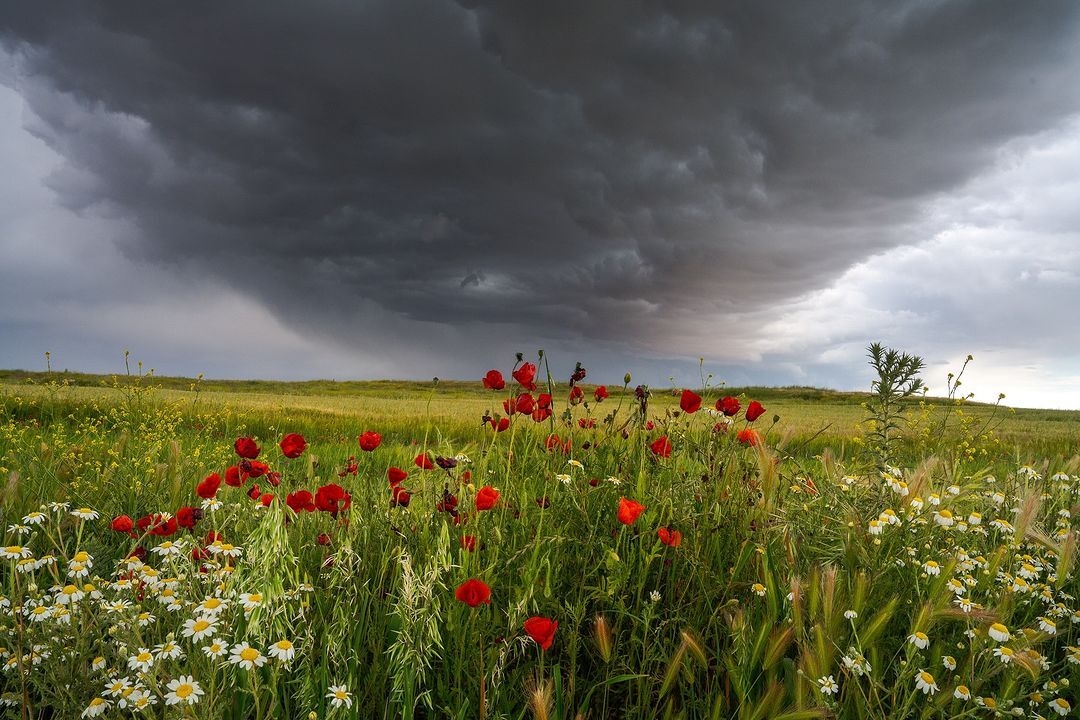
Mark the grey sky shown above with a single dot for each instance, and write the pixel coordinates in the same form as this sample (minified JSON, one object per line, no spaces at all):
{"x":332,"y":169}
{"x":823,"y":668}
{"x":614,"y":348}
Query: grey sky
{"x":341,"y":189}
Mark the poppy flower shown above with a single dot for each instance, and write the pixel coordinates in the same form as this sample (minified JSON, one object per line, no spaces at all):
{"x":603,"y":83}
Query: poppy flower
{"x":671,"y":538}
{"x":525,"y":404}
{"x":209,"y":486}
{"x":468,"y":542}
{"x":164,"y":528}
{"x":274,"y":478}
{"x":600,"y":393}
{"x":473,"y":593}
{"x":754,"y":410}
{"x":252,"y":468}
{"x":541,"y":630}
{"x":543,"y":401}
{"x":749,"y":437}
{"x":293,"y":445}
{"x":232,"y":476}
{"x":324,"y":539}
{"x":552,"y":442}
{"x":254,"y":492}
{"x":300,"y":501}
{"x":212,"y":537}
{"x":510,"y":406}
{"x":576,"y":396}
{"x":650,"y":425}
{"x":629,"y":511}
{"x":351,"y":467}
{"x":396,"y":476}
{"x":369,"y":440}
{"x":690,"y":402}
{"x":399,"y":496}
{"x":494,"y":380}
{"x":541,"y":414}
{"x":186,"y":517}
{"x":586,"y":423}
{"x":446,"y":463}
{"x":486,"y":498}
{"x":246,"y":448}
{"x":526,"y":376}
{"x":332,"y":498}
{"x":266,"y":499}
{"x":424,"y":462}
{"x":448,"y":504}
{"x":661,"y":447}
{"x":728,"y":405}
{"x":500,"y":425}
{"x":122,"y":524}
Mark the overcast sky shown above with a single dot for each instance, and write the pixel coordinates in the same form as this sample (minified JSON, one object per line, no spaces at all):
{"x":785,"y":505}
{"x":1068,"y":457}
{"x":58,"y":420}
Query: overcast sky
{"x":353,"y":189}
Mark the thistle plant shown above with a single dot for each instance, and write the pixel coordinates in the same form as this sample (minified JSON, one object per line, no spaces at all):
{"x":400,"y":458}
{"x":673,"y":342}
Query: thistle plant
{"x":897,"y":379}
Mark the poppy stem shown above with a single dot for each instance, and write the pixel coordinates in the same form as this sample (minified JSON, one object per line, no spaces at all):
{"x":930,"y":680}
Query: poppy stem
{"x":483,"y":708}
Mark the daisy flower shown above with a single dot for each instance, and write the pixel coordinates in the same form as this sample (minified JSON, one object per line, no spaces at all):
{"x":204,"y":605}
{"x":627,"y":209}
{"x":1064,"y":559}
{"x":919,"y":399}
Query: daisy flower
{"x":962,"y":693}
{"x":251,"y":600}
{"x":247,"y":657}
{"x":198,"y":628}
{"x":169,"y":650}
{"x":183,"y":689}
{"x":919,"y":640}
{"x":141,"y":661}
{"x":758,"y":589}
{"x":828,"y":685}
{"x":15,"y":552}
{"x":1061,"y":706}
{"x":117,"y":687}
{"x":925,"y":681}
{"x":34,"y":518}
{"x":283,"y":650}
{"x":999,"y":632}
{"x":85,"y":514}
{"x":1005,"y":653}
{"x":338,"y":696}
{"x":216,"y":648}
{"x":96,"y":707}
{"x":949,"y":662}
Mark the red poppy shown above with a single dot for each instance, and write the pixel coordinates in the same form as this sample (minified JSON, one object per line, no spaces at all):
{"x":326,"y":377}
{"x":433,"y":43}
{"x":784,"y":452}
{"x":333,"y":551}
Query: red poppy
{"x":500,"y":425}
{"x":424,"y":462}
{"x":163,"y":527}
{"x":494,"y":380}
{"x":293,"y":445}
{"x":629,"y":511}
{"x":254,"y":492}
{"x":468,"y":542}
{"x":399,"y":496}
{"x":543,"y":401}
{"x":332,"y":498}
{"x":232,"y":476}
{"x":671,"y":538}
{"x":600,"y":393}
{"x":274,"y":478}
{"x":209,"y":486}
{"x":576,"y":395}
{"x":728,"y":405}
{"x":552,"y":442}
{"x":754,"y":410}
{"x":351,"y":467}
{"x":650,"y":425}
{"x":690,"y":401}
{"x":486,"y":498}
{"x":246,"y":448}
{"x":396,"y":476}
{"x":474,"y":593}
{"x":661,"y":447}
{"x":122,"y":524}
{"x":266,"y":499}
{"x":525,"y":404}
{"x":324,"y":539}
{"x":586,"y":423}
{"x":252,"y":468}
{"x":542,"y":630}
{"x":186,"y":517}
{"x":526,"y":375}
{"x":369,"y":440}
{"x":510,"y":406}
{"x":300,"y":501}
{"x":541,"y":414}
{"x":749,"y":437}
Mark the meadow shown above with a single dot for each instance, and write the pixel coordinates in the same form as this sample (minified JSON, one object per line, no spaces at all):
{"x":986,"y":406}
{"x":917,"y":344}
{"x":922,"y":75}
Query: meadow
{"x":516,"y":547}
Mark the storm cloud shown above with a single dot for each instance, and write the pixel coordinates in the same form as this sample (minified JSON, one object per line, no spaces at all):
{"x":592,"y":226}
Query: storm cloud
{"x":647,"y":181}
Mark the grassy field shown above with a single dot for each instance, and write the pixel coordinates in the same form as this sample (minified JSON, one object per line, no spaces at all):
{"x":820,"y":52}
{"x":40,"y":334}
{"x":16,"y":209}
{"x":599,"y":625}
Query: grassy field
{"x":693,"y":567}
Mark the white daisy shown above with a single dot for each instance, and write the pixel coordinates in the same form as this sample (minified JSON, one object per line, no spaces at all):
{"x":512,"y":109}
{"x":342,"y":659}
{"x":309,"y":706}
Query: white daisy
{"x":925,"y":681}
{"x":919,"y":640}
{"x":85,"y":514}
{"x":283,"y":650}
{"x":827,"y":685}
{"x":338,"y":696}
{"x":183,"y":689}
{"x":96,"y":707}
{"x":200,"y":627}
{"x":247,"y":657}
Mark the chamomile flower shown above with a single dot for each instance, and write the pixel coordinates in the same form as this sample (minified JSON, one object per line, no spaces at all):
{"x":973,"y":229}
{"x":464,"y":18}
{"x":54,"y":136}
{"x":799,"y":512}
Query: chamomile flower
{"x":575,"y":463}
{"x":999,"y":632}
{"x":97,"y":706}
{"x":758,"y":589}
{"x":69,"y":594}
{"x":944,"y":518}
{"x":931,"y":567}
{"x":35,"y":518}
{"x":925,"y":681}
{"x":85,"y":514}
{"x":1048,"y":626}
{"x":18,"y":529}
{"x":851,"y":614}
{"x":146,"y":619}
{"x":117,"y":687}
{"x":1005,"y":654}
{"x":1061,"y":706}
{"x":211,"y":504}
{"x":564,"y":478}
{"x":168,"y":650}
{"x":247,"y":657}
{"x":338,"y":696}
{"x":212,"y":605}
{"x":251,"y":601}
{"x":183,"y":689}
{"x":827,"y":685}
{"x":962,"y":692}
{"x":141,"y":661}
{"x":216,"y":648}
{"x":15,"y":552}
{"x":97,"y":664}
{"x":919,"y":639}
{"x":949,"y":662}
{"x":283,"y":650}
{"x":168,"y":548}
{"x":140,"y":699}
{"x":200,"y":627}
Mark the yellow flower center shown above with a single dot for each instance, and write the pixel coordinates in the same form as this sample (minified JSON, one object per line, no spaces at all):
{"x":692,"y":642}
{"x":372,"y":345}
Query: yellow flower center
{"x":212,"y":604}
{"x":249,"y":654}
{"x":143,"y":657}
{"x":184,"y":690}
{"x":97,"y":702}
{"x":14,"y":549}
{"x":200,"y":625}
{"x":81,"y":556}
{"x":283,"y":645}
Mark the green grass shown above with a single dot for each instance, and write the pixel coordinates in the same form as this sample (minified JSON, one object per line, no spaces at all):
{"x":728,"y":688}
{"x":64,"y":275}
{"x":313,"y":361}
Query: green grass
{"x":645,"y":630}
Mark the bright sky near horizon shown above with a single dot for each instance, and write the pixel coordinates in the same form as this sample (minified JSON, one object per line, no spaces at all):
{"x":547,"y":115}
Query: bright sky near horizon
{"x":324,"y":189}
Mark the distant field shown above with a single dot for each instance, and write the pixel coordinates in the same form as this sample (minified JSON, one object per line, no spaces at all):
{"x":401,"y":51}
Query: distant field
{"x":830,"y":417}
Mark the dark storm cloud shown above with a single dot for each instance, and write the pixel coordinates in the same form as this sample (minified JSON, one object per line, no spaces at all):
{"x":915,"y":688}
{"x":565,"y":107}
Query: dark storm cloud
{"x":610,"y":170}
